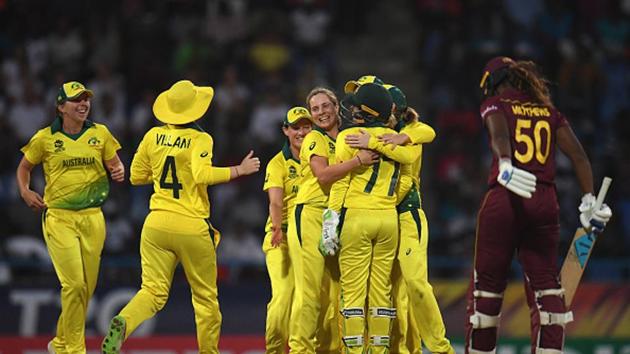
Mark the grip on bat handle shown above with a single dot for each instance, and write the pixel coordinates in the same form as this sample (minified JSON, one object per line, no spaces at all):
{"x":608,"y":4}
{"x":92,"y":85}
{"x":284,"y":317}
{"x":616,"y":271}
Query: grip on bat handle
{"x":602,"y":192}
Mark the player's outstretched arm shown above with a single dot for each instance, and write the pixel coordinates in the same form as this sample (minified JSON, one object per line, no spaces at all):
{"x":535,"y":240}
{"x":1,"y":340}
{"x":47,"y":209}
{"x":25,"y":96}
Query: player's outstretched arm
{"x":249,"y":165}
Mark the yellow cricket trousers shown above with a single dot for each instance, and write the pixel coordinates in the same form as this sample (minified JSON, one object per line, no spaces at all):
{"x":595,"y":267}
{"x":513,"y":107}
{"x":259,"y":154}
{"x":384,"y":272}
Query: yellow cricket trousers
{"x":282,"y":280}
{"x":168,"y":238}
{"x":405,"y":334}
{"x":427,"y":321}
{"x":315,"y":318}
{"x":368,"y":238}
{"x":74,"y":239}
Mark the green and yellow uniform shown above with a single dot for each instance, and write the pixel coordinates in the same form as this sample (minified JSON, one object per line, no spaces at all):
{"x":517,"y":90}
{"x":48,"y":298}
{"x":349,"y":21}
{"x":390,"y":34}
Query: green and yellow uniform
{"x":316,"y":278}
{"x":366,"y":199}
{"x":73,"y":225}
{"x":282,"y":172}
{"x":423,"y":322}
{"x":177,"y":160}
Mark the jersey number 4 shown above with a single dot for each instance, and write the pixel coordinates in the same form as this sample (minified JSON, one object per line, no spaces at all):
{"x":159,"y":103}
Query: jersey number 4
{"x":174,"y":185}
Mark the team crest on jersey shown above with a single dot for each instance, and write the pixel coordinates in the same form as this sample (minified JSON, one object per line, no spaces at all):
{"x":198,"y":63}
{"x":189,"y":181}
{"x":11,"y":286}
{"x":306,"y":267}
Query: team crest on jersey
{"x":59,"y":145}
{"x":331,"y":148}
{"x":94,"y":141}
{"x":292,"y":172}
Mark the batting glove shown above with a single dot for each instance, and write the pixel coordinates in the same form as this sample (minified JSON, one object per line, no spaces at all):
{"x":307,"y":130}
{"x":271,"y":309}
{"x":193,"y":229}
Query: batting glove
{"x":591,"y":218}
{"x":329,"y":243}
{"x":515,"y":179}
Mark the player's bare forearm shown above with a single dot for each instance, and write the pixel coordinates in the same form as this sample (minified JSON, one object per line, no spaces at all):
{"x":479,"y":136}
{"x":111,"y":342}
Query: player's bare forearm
{"x":116,"y":168}
{"x":499,"y":135}
{"x":570,"y":146}
{"x":249,"y":165}
{"x":23,"y":176}
{"x":328,"y":174}
{"x":276,"y":196}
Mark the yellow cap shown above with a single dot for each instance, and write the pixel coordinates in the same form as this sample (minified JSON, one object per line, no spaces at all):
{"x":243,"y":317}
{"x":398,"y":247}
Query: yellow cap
{"x":71,"y":90}
{"x":295,"y":114}
{"x":352,"y":85}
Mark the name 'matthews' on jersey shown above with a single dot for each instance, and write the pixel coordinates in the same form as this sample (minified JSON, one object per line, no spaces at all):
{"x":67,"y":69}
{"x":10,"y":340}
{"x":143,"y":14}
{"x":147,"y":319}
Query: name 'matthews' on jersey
{"x":532,"y":128}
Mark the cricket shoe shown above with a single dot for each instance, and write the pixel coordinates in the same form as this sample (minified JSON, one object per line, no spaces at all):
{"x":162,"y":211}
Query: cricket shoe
{"x":115,"y":336}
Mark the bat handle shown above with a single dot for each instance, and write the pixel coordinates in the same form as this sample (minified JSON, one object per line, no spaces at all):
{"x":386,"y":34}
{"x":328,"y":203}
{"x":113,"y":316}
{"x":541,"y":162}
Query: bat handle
{"x":602,"y":192}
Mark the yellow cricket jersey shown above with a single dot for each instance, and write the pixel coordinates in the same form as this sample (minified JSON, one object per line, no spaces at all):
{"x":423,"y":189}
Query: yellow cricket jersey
{"x":419,"y":133}
{"x":73,"y":164}
{"x":367,"y":187}
{"x":178,"y":161}
{"x":282,"y":172}
{"x":316,"y":142}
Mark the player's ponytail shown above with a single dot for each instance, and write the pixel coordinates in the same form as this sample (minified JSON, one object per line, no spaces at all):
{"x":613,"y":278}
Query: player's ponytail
{"x":410,"y":115}
{"x":524,"y":76}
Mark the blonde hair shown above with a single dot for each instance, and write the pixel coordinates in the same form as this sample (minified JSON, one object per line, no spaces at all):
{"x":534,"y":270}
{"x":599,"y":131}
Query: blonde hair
{"x":331,"y":96}
{"x":317,"y":90}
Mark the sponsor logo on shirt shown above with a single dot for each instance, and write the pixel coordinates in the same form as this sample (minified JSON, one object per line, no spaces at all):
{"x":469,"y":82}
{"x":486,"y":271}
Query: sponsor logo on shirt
{"x":489,"y":109}
{"x":292,"y":172}
{"x":94,"y":141}
{"x":59,"y":145}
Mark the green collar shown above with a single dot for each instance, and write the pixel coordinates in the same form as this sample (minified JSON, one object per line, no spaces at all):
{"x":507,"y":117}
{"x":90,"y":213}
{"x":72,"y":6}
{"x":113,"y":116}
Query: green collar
{"x":191,"y":125}
{"x":324,"y":133}
{"x":286,"y":152}
{"x":57,"y":125}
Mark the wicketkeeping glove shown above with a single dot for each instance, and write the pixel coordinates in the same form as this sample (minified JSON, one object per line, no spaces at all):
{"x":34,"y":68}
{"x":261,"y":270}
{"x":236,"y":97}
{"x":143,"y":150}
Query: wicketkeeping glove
{"x":591,"y":218}
{"x":515,"y":179}
{"x":329,"y":243}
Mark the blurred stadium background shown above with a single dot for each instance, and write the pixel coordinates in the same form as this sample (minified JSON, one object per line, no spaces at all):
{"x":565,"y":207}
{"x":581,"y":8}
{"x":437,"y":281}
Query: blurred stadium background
{"x":262,"y":57}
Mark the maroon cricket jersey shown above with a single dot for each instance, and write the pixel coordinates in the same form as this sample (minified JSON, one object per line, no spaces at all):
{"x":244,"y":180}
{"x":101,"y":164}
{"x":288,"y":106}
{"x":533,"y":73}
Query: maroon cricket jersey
{"x":532,"y":129}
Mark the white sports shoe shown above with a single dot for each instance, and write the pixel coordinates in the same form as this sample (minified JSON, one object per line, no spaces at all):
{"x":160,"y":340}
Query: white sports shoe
{"x":51,"y":348}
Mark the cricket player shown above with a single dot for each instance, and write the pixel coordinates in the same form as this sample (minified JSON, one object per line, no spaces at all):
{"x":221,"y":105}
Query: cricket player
{"x":363,"y":207}
{"x":177,"y":159}
{"x":519,"y":213}
{"x":315,"y":312}
{"x":282,"y":184}
{"x":75,"y":153}
{"x":410,"y":268}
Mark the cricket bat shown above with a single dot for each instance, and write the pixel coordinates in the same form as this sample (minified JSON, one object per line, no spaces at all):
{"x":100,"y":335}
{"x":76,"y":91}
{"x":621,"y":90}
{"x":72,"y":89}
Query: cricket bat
{"x":580,"y":251}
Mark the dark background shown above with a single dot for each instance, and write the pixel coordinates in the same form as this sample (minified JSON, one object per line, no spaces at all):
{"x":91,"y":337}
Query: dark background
{"x":262,"y":57}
